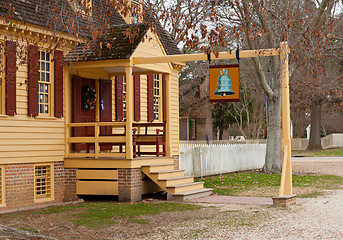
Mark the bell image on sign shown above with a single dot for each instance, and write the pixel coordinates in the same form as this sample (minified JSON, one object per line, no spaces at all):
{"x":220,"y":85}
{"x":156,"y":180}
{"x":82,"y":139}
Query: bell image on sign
{"x":224,"y":83}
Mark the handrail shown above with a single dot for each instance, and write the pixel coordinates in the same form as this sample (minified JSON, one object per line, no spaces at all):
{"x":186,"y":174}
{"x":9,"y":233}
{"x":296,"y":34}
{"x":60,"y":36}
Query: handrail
{"x":93,"y":124}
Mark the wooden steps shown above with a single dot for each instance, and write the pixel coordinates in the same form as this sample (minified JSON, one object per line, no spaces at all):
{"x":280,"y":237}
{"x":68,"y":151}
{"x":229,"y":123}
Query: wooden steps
{"x":178,"y":186}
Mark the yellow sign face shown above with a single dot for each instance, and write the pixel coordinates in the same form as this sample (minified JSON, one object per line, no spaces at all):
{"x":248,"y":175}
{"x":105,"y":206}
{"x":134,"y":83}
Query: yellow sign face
{"x":224,"y":83}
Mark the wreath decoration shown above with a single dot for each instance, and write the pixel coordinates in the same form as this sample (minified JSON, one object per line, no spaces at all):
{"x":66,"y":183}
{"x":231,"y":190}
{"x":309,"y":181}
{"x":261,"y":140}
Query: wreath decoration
{"x":88,"y":98}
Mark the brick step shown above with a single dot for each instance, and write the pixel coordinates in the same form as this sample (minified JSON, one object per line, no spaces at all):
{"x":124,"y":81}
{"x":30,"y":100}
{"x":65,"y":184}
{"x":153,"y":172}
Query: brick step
{"x":181,"y":197}
{"x":185,"y":187}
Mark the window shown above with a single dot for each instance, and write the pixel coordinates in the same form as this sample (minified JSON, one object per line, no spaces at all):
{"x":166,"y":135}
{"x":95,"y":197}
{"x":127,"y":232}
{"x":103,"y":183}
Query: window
{"x":44,"y":182}
{"x":134,"y":11}
{"x":124,"y":97}
{"x":2,"y":78}
{"x":82,"y":6}
{"x":157,"y":96}
{"x":2,"y":186}
{"x":45,"y":83}
{"x":192,"y":129}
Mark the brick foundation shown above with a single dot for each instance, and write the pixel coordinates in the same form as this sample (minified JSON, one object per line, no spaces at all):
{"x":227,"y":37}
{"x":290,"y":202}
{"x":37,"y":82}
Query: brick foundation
{"x":19,"y":186}
{"x":284,"y":201}
{"x":129,"y":184}
{"x":176,"y":162}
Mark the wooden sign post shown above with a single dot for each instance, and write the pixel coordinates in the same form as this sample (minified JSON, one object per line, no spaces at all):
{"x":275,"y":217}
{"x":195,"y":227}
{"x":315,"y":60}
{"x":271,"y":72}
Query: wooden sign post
{"x":286,"y":196}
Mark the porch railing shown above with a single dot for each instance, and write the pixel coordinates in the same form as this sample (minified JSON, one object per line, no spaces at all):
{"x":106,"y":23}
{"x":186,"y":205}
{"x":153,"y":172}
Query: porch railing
{"x":92,"y":141}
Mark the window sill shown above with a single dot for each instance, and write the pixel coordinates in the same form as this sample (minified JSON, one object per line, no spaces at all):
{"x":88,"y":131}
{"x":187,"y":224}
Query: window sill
{"x":40,"y":200}
{"x":3,"y":116}
{"x":45,"y":118}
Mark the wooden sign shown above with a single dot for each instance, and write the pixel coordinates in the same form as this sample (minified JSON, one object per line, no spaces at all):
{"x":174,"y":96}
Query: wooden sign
{"x":224,"y":83}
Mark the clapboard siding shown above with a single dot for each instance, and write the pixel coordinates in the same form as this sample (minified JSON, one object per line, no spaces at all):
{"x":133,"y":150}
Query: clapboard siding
{"x":175,"y":112}
{"x":25,"y":139}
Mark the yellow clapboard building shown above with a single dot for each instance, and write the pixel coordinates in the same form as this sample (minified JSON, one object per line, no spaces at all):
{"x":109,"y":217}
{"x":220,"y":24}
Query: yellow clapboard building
{"x":77,"y":115}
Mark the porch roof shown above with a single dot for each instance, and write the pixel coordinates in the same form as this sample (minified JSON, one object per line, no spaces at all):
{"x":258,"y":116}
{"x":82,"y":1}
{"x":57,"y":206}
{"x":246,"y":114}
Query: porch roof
{"x":116,"y":44}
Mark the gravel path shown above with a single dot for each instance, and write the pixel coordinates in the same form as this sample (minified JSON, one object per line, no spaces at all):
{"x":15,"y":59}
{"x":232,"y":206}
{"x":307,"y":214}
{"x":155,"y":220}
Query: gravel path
{"x":312,"y":218}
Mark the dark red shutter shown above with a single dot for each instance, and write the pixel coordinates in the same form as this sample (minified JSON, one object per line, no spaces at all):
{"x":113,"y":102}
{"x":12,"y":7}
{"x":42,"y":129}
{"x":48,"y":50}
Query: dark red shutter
{"x":105,"y":110}
{"x":58,"y":82}
{"x":164,"y":97}
{"x":11,"y":69}
{"x":77,"y":116}
{"x":150,"y":98}
{"x":33,"y":80}
{"x":137,"y":85}
{"x":119,"y":98}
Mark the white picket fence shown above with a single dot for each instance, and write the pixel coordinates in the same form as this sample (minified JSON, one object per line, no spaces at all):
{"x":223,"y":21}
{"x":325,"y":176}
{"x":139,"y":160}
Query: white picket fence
{"x":201,"y":160}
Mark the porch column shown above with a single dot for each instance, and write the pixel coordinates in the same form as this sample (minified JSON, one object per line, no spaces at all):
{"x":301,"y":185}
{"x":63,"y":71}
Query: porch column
{"x":129,"y":111}
{"x":169,"y":116}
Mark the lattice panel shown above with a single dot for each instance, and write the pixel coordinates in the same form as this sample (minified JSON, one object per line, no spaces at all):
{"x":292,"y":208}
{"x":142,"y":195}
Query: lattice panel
{"x":43,"y":181}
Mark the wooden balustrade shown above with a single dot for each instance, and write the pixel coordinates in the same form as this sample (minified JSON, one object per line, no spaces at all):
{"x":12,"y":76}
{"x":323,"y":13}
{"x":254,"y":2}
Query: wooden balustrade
{"x":116,"y":139}
{"x":152,"y":134}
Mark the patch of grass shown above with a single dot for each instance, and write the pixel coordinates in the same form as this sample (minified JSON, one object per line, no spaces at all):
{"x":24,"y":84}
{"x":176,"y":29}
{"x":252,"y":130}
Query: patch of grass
{"x":96,"y":215}
{"x":258,"y":183}
{"x":310,"y":195}
{"x":334,"y":152}
{"x":59,"y":209}
{"x":28,"y":229}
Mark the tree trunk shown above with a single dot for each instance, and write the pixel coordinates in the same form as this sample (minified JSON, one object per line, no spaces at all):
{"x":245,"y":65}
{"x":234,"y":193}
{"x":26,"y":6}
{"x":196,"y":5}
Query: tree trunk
{"x":315,"y":143}
{"x":221,"y":131}
{"x":273,"y":162}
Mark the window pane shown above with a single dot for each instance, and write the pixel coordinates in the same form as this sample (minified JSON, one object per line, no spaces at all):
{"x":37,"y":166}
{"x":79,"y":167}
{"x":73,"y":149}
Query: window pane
{"x":41,"y":108}
{"x":46,"y":88}
{"x":48,"y":57}
{"x":42,"y":66}
{"x":46,"y":109}
{"x":42,"y":77}
{"x":47,"y":77}
{"x":48,"y":67}
{"x":43,"y":56}
{"x":46,"y":99}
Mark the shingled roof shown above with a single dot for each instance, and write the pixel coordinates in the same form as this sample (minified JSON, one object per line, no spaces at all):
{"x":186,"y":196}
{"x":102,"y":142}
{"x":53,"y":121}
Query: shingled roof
{"x":57,"y":15}
{"x":114,"y":45}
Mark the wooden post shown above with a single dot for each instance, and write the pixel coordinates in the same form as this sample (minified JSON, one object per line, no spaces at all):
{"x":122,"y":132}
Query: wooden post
{"x":96,"y":139}
{"x":169,"y":117}
{"x":129,"y":112}
{"x":97,"y":104}
{"x":286,"y":176}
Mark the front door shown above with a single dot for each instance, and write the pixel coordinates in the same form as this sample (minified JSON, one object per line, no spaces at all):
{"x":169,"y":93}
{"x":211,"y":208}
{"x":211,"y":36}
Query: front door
{"x":82,"y":112}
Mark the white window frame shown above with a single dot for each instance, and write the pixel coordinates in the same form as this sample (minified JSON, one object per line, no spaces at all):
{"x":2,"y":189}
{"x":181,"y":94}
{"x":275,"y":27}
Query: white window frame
{"x":42,"y":83}
{"x":157,"y":97}
{"x":124,"y":97}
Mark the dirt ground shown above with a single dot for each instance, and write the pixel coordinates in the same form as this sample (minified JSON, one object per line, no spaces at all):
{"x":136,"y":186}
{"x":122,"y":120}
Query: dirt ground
{"x":315,"y":218}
